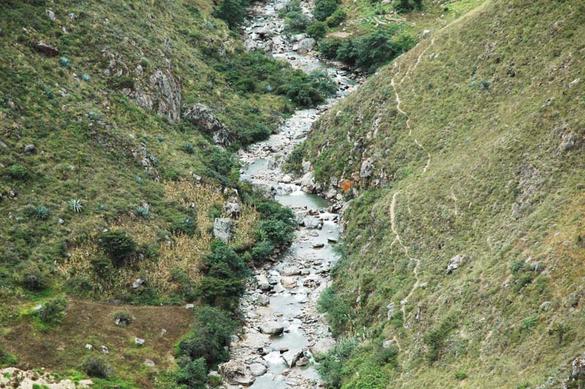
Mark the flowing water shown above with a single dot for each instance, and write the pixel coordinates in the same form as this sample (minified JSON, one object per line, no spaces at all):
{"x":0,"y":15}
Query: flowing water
{"x":283,"y":329}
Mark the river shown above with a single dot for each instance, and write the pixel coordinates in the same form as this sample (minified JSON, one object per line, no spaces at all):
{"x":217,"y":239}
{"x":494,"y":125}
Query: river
{"x":283,"y":329}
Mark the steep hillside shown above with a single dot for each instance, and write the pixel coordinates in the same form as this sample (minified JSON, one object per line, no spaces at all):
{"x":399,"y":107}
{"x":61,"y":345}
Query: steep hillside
{"x":118,"y":122}
{"x":465,"y":163}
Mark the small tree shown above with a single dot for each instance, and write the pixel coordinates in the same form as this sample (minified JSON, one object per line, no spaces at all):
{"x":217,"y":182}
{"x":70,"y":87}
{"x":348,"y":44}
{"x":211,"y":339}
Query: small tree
{"x":118,"y":245}
{"x":233,"y":12}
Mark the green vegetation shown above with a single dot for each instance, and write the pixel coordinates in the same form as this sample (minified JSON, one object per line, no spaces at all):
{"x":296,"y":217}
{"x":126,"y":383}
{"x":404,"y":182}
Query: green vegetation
{"x":472,"y":136}
{"x":52,"y":311}
{"x":324,"y":8}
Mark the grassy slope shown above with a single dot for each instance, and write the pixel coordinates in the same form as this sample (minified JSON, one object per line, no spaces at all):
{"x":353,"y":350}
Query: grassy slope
{"x":90,"y":141}
{"x":491,"y":99}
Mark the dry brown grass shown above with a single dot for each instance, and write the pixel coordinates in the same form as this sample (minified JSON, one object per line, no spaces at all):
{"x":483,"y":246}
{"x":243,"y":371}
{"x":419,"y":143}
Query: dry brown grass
{"x":181,"y":252}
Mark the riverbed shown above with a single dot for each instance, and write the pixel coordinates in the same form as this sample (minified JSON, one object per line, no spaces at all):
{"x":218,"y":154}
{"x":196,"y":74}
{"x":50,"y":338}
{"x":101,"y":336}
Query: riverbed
{"x":283,"y":330}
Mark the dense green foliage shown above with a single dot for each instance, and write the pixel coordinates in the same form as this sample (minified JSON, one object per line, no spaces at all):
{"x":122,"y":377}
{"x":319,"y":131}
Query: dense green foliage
{"x":324,"y":8}
{"x":118,"y":245}
{"x":408,"y":5}
{"x":233,"y":12}
{"x":369,"y":51}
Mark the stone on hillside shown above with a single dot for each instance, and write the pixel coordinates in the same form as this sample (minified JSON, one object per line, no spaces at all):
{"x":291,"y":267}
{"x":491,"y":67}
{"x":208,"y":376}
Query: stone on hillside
{"x":578,"y":368}
{"x":388,"y":343}
{"x":222,"y":229}
{"x":308,"y":182}
{"x":233,"y":209}
{"x":138,"y":283}
{"x":46,"y":49}
{"x":30,"y":149}
{"x":236,"y":373}
{"x":455,"y":263}
{"x":367,"y":168}
{"x":306,"y":45}
{"x":51,"y":15}
{"x":203,"y":117}
{"x":149,"y":363}
{"x":139,"y":341}
{"x":271,"y":328}
{"x":390,"y":308}
{"x":167,"y":95}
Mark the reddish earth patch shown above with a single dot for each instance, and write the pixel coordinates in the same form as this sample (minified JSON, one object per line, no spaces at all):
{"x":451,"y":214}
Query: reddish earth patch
{"x":63,"y":347}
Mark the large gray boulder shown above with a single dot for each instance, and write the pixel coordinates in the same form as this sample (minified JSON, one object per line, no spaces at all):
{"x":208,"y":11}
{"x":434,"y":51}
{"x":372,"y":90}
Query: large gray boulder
{"x":236,"y":373}
{"x":367,"y":168}
{"x":202,"y":116}
{"x":223,"y":229}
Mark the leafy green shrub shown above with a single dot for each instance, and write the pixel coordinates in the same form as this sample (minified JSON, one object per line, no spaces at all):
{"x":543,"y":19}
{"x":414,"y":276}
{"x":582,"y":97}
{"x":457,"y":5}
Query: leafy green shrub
{"x":96,"y":367}
{"x":183,"y":225}
{"x":122,"y":319}
{"x":255,"y":133}
{"x":188,"y":148}
{"x":75,"y":205}
{"x":460,"y":375}
{"x":317,"y":30}
{"x":187,"y":288}
{"x":142,"y":211}
{"x":408,"y":5}
{"x":324,"y":8}
{"x":222,"y":165}
{"x":329,"y":46}
{"x":192,"y":373}
{"x":337,"y":310}
{"x":210,"y":335}
{"x":41,"y":212}
{"x":385,"y":355}
{"x":6,"y":358}
{"x":233,"y":12}
{"x":336,"y":18}
{"x":296,"y":22}
{"x":435,"y":338}
{"x":294,"y":162}
{"x":101,"y":266}
{"x":33,"y":277}
{"x":332,"y":367}
{"x":118,"y":245}
{"x":261,"y":251}
{"x":18,"y":172}
{"x":52,"y":311}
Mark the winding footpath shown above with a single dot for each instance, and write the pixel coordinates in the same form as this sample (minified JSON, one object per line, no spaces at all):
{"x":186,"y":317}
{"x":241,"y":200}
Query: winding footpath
{"x":283,"y":330}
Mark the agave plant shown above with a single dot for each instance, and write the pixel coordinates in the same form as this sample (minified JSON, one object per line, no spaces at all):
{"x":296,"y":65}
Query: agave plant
{"x":143,"y":211}
{"x":41,"y":212}
{"x":75,"y":205}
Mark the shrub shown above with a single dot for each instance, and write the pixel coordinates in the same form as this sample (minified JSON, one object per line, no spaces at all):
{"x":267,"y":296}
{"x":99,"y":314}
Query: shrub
{"x":183,"y":225}
{"x":33,"y":278}
{"x":324,"y":8}
{"x":317,"y":30}
{"x":96,"y":367}
{"x":233,"y":12}
{"x":101,"y":266}
{"x":337,"y":310}
{"x":41,"y":212}
{"x":329,"y":46}
{"x":460,"y":375}
{"x":435,"y":338}
{"x":296,"y":22}
{"x":188,"y":148}
{"x":193,"y":373}
{"x":18,"y":172}
{"x":336,"y":18}
{"x":75,"y":205}
{"x":209,"y":337}
{"x":255,"y":133}
{"x":118,"y":245}
{"x":294,"y":162}
{"x":6,"y":358}
{"x":331,"y":367}
{"x":52,"y":311}
{"x":122,"y":319}
{"x":386,"y":355}
{"x":142,"y":211}
{"x":408,"y":5}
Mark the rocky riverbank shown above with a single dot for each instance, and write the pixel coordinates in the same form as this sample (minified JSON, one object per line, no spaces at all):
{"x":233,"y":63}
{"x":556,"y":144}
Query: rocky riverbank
{"x":283,"y":331}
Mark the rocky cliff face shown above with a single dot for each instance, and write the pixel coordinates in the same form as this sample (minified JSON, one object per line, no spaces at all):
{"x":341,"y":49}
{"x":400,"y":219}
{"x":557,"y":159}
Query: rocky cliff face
{"x":464,"y":163}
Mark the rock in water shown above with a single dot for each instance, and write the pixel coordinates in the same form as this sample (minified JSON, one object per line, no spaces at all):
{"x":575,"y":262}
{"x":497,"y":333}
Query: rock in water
{"x":236,"y":373}
{"x":271,"y":328}
{"x":257,"y":369}
{"x":222,"y":229}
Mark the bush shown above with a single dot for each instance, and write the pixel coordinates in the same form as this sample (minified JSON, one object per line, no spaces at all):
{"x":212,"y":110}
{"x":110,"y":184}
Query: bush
{"x":337,"y":310}
{"x":408,"y":5}
{"x":435,"y":338}
{"x":294,"y":162}
{"x":7,"y":359}
{"x":317,"y":30}
{"x":183,"y":225}
{"x":52,"y":311}
{"x":324,"y":8}
{"x":209,"y":337}
{"x":331,"y":367}
{"x":33,"y":278}
{"x":118,"y":245}
{"x":296,"y":22}
{"x":193,"y":373}
{"x":233,"y":12}
{"x":96,"y":367}
{"x":329,"y":47}
{"x":122,"y":319}
{"x":18,"y":172}
{"x":336,"y":18}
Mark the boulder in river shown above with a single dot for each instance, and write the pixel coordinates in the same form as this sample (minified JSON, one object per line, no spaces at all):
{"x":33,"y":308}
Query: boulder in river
{"x":271,"y":328}
{"x":236,"y":373}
